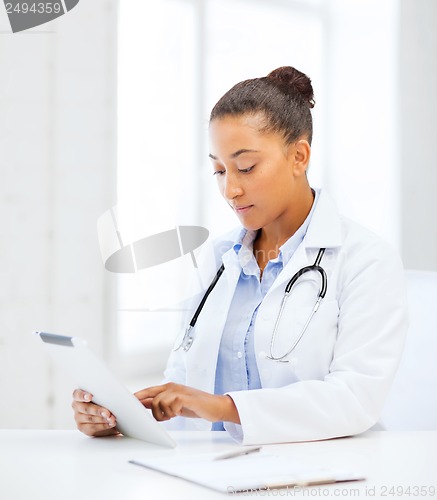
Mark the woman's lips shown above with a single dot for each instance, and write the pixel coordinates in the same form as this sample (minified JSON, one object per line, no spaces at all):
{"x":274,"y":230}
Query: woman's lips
{"x":243,"y":209}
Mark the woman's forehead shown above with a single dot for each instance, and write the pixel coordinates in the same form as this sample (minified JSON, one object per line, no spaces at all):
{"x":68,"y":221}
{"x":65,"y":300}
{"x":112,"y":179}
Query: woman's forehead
{"x":246,"y":128}
{"x":229,"y":135}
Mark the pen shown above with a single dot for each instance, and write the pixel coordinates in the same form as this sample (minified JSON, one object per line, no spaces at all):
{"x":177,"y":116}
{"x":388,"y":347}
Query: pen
{"x":238,"y":453}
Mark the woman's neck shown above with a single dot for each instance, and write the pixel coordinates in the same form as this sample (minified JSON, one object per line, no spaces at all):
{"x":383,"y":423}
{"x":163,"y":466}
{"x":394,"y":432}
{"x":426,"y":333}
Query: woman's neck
{"x":274,"y":235}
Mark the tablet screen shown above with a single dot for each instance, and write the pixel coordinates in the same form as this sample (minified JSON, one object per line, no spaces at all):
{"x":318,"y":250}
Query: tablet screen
{"x":90,"y":374}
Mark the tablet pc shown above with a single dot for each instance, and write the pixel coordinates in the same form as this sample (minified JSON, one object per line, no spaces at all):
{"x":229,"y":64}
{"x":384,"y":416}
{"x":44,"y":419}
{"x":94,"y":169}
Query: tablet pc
{"x":89,"y":373}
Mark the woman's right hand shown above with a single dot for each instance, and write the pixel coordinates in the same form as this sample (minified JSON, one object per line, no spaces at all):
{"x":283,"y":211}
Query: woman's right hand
{"x":92,"y":419}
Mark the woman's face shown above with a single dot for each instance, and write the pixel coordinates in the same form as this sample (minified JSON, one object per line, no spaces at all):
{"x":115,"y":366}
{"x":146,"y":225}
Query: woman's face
{"x":257,"y":174}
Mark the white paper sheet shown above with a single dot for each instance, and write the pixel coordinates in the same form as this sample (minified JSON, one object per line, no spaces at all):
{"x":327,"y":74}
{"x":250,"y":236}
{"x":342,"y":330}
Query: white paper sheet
{"x":249,"y":472}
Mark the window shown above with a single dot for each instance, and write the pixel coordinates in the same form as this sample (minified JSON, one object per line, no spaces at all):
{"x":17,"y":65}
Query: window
{"x":176,"y":59}
{"x":157,"y":157}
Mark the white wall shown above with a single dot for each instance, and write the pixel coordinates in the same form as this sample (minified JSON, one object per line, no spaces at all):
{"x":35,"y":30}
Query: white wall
{"x":57,"y":163}
{"x":361,"y":157}
{"x":417,"y":76}
{"x":381,"y":120}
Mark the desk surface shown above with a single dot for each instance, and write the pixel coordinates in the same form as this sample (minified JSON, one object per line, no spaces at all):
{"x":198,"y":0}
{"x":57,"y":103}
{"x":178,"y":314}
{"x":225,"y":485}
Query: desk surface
{"x":67,"y":465}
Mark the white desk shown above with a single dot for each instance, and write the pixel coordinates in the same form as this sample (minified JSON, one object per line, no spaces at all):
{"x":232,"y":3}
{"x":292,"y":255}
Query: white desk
{"x":65,"y":465}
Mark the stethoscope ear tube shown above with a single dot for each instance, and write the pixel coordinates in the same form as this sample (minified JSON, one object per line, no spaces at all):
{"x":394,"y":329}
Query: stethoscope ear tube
{"x":324,"y":282}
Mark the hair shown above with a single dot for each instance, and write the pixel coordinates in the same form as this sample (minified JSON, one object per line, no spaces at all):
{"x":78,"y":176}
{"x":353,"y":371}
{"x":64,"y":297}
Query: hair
{"x":284,"y":97}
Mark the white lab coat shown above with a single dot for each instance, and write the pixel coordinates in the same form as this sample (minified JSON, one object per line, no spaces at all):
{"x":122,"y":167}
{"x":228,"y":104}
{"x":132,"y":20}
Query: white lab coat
{"x":338,"y":376}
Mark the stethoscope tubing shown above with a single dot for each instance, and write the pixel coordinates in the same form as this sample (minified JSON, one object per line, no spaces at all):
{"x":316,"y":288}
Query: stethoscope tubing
{"x":188,"y":338}
{"x":322,"y":293}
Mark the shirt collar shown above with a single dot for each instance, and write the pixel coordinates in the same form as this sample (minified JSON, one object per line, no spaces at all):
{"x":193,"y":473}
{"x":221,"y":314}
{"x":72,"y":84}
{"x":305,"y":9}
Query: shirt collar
{"x":243,"y":249}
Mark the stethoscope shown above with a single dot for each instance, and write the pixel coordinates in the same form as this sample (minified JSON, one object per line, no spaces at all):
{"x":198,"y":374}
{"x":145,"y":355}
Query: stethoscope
{"x":188,"y":338}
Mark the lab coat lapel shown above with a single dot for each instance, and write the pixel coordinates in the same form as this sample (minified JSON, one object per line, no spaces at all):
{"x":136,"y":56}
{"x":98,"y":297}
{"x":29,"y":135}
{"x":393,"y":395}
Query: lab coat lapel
{"x":324,"y":230}
{"x":298,"y":260}
{"x":204,"y":352}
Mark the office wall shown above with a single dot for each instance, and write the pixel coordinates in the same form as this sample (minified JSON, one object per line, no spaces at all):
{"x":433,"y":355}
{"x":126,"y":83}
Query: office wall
{"x":361,"y":168}
{"x":57,"y":164}
{"x":417,"y":119}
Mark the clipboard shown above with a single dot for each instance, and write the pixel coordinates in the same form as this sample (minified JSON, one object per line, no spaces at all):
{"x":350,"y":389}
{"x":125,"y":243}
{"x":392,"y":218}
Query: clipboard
{"x":246,"y":471}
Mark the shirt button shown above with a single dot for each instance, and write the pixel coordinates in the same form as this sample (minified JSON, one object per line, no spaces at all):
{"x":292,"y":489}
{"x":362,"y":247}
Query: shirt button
{"x":239,"y":354}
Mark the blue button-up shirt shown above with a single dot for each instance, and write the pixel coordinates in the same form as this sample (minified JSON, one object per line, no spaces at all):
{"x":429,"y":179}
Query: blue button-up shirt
{"x":236,"y":365}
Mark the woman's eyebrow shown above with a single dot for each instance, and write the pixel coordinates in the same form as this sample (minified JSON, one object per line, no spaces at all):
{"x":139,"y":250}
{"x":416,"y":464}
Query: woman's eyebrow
{"x":237,"y":153}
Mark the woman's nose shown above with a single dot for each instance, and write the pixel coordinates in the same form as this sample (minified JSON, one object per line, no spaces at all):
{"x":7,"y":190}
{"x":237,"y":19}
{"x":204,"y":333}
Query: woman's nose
{"x":232,"y":187}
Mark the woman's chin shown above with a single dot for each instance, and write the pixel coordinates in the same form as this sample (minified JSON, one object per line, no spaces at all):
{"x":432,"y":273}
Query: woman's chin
{"x":250,"y":226}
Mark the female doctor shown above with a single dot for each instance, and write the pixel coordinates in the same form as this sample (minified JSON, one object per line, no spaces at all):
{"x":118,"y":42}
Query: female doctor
{"x":303,"y":330}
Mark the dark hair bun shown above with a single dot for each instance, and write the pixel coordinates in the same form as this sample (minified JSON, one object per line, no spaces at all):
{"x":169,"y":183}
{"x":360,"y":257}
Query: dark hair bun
{"x":292,"y":78}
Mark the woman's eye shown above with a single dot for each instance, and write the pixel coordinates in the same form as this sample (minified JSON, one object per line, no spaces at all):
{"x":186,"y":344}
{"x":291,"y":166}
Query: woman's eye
{"x":246,"y":170}
{"x":242,"y":170}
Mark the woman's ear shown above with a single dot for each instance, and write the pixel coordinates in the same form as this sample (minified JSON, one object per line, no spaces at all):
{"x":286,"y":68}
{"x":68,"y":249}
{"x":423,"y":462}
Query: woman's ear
{"x":301,"y":153}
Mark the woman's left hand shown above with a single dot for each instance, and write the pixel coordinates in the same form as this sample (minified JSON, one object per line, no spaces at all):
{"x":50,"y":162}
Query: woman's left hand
{"x":172,"y":400}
